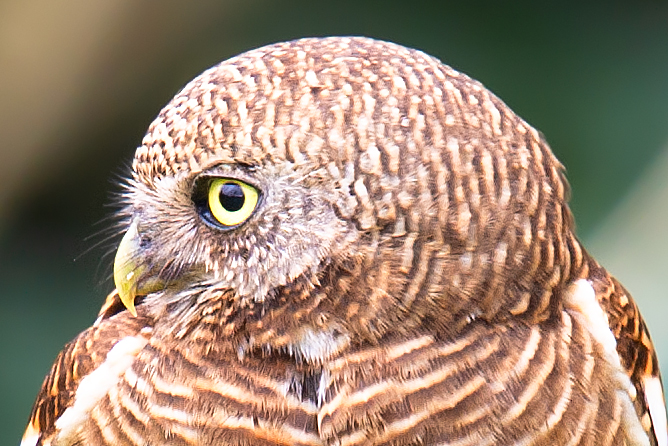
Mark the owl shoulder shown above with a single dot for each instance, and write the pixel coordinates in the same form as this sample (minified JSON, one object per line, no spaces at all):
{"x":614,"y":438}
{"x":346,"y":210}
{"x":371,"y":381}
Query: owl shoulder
{"x":83,"y":371}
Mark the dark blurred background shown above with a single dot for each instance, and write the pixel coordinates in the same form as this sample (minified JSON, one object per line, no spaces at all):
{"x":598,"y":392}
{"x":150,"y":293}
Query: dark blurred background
{"x":81,"y":80}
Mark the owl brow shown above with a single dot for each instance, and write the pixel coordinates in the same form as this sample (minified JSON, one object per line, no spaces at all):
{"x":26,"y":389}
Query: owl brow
{"x":218,"y":170}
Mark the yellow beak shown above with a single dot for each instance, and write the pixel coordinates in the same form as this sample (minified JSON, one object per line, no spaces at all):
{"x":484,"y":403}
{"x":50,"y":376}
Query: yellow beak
{"x":130,"y":270}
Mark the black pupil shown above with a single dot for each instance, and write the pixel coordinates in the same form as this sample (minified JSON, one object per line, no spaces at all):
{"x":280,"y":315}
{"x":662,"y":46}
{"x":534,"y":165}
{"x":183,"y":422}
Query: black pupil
{"x":231,"y":197}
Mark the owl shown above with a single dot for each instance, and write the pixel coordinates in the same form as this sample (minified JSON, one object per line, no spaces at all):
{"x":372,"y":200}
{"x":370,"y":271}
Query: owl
{"x":342,"y":241}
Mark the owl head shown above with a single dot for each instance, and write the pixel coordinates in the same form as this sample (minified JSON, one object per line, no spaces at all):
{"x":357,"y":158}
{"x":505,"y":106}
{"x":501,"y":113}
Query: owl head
{"x":314,"y":194}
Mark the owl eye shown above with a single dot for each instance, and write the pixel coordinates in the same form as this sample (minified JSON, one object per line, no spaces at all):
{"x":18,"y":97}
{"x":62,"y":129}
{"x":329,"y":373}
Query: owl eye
{"x":230,"y":202}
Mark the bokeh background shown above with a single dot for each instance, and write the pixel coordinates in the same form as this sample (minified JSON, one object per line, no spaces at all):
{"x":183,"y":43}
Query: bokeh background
{"x":80,"y":81}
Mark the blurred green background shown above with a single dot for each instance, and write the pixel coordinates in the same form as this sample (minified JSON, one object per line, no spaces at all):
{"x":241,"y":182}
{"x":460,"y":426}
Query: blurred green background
{"x":81,"y":80}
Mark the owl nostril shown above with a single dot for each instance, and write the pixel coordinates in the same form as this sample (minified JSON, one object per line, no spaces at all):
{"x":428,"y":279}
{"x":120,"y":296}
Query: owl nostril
{"x":145,"y":242}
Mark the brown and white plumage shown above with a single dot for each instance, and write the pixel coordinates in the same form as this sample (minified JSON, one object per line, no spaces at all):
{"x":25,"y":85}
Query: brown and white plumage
{"x":409,"y":275}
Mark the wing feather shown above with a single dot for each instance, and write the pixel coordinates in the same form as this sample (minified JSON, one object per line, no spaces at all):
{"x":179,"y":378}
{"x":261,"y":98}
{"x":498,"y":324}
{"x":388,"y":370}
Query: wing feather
{"x":79,"y":358}
{"x":636,"y":352}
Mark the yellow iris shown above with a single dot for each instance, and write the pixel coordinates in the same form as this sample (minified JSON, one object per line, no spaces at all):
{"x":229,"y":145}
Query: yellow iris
{"x":231,"y":202}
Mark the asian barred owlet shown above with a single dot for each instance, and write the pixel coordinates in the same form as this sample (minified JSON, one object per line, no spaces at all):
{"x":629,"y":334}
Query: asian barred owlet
{"x":343,"y":241}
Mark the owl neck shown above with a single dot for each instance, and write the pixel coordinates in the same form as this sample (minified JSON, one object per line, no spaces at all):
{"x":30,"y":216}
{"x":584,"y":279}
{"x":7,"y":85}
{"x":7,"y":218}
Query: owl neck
{"x":367,"y":300}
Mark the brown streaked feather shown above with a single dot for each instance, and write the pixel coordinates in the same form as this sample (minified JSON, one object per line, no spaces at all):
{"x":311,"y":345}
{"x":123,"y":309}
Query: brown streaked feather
{"x":634,"y":345}
{"x":494,"y":385}
{"x":77,"y":359}
{"x":112,"y":305}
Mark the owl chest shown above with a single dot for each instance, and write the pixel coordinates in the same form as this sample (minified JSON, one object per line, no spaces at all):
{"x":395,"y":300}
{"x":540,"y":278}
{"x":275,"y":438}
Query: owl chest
{"x":517,"y":386}
{"x":180,"y":396}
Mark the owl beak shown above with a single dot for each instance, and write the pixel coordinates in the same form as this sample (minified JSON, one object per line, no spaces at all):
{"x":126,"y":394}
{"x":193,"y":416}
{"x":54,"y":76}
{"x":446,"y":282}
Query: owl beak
{"x":131,"y":271}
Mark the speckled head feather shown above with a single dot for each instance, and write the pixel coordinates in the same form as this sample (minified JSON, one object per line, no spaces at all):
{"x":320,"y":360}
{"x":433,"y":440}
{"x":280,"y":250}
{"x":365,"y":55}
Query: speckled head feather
{"x":409,"y":274}
{"x":414,"y":156}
